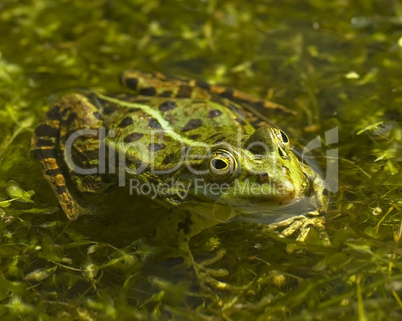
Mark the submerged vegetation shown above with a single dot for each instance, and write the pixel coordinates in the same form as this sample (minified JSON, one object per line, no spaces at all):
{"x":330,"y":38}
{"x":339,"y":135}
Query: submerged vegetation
{"x":337,"y":63}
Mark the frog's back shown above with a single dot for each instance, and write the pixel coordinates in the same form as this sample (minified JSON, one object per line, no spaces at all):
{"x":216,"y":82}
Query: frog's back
{"x":164,"y":115}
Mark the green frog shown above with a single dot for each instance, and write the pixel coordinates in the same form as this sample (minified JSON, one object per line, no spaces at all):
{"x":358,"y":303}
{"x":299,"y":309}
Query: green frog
{"x":206,"y":151}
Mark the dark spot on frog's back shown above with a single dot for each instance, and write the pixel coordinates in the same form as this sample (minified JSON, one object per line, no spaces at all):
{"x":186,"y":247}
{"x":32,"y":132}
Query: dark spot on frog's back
{"x":154,"y":147}
{"x":153,"y":123}
{"x":192,"y":124}
{"x":168,"y":159}
{"x":109,"y":110}
{"x":46,"y":130}
{"x":133,"y":137}
{"x":167,"y":105}
{"x":194,"y":137}
{"x":132,"y":83}
{"x":214,"y":113}
{"x":184,"y":91}
{"x":126,"y":122}
{"x":148,"y":91}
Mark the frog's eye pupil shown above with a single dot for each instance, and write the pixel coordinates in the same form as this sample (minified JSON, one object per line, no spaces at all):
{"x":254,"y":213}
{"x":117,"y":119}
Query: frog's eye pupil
{"x":219,"y":164}
{"x":285,"y":138}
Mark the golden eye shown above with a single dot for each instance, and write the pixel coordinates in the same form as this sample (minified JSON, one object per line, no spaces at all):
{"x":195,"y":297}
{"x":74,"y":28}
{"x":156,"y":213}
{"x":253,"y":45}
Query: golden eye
{"x":219,"y":164}
{"x":222,"y":166}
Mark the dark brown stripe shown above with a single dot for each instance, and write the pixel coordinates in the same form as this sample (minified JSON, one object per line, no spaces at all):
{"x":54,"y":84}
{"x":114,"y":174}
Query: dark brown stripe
{"x":133,"y":137}
{"x":46,"y":130}
{"x":214,"y":113}
{"x":153,"y":123}
{"x":148,"y":91}
{"x":167,"y":105}
{"x":192,"y":124}
{"x":53,"y":172}
{"x":61,"y":189}
{"x":44,"y":143}
{"x":126,"y":122}
{"x":42,"y":154}
{"x":154,"y":147}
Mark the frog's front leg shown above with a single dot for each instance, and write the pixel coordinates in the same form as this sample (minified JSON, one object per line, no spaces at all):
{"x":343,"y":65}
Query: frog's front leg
{"x":314,"y":218}
{"x":303,"y":224}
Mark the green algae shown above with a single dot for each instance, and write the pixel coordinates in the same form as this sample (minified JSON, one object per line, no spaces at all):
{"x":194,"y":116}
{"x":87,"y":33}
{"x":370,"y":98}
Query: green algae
{"x":338,"y":63}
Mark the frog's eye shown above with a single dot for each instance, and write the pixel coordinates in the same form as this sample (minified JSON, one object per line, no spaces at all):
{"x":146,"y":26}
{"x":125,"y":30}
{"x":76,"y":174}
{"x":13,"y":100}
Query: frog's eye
{"x":284,"y":137}
{"x":223,"y":166}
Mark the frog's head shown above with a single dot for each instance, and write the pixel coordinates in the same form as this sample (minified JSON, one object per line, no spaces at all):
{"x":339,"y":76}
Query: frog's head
{"x":262,"y":173}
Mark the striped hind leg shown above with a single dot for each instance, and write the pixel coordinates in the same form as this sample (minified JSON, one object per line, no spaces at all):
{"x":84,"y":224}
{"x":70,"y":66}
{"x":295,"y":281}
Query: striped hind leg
{"x":156,"y":84}
{"x":69,"y":112}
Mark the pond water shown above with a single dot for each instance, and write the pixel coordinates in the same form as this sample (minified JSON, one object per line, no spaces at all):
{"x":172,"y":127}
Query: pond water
{"x":336,"y":63}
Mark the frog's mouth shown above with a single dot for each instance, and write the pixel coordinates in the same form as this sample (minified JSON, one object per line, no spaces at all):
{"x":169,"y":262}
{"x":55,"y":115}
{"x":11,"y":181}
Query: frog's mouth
{"x":255,"y":213}
{"x":273,"y":214}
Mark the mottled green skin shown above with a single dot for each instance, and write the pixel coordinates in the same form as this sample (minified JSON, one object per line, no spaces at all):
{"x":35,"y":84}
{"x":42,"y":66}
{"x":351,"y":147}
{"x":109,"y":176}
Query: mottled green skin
{"x":166,"y":132}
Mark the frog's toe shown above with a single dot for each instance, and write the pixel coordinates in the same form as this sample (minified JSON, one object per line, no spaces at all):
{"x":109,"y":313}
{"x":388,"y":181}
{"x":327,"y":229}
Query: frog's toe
{"x":294,"y":225}
{"x":302,"y":224}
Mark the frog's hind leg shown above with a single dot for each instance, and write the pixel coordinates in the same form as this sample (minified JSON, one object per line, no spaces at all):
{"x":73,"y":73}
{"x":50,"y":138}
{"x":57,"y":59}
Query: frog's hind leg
{"x":48,"y":146}
{"x":156,"y":84}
